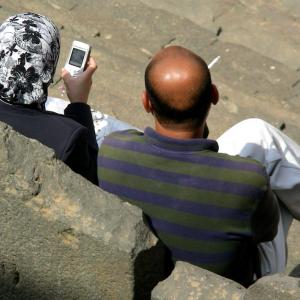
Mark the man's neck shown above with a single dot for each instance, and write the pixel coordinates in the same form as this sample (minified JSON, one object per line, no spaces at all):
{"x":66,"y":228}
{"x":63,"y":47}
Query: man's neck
{"x":179,"y":133}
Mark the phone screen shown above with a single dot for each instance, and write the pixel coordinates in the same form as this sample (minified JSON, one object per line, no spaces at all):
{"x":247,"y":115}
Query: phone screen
{"x":77,"y":57}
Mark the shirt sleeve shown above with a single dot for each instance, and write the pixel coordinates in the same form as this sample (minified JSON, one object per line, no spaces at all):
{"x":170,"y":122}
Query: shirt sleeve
{"x":81,"y":152}
{"x":265,"y":218}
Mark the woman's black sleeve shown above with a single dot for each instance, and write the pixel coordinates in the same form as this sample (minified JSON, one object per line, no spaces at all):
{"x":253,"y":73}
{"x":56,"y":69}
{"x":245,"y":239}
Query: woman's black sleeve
{"x":83,"y":150}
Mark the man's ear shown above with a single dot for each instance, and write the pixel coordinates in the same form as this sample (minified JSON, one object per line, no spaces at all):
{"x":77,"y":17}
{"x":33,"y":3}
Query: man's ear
{"x":146,"y":102}
{"x":214,"y":94}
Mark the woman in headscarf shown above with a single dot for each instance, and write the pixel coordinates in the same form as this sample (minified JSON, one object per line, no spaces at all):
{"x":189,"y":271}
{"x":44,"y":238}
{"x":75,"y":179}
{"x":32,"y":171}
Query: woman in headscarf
{"x":29,"y":51}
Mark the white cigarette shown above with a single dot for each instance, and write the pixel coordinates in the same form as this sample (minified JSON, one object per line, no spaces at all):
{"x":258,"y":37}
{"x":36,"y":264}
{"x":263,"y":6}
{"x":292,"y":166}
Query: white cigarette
{"x":214,"y":61}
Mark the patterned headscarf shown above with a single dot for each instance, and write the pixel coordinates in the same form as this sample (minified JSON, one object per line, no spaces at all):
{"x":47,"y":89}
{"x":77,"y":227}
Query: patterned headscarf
{"x":29,"y":51}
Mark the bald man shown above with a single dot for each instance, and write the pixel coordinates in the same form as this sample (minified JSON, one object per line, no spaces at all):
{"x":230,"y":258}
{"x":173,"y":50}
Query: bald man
{"x":208,"y":208}
{"x":179,"y":93}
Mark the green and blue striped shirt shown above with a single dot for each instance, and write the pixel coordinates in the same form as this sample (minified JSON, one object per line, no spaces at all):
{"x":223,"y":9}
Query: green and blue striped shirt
{"x":199,"y":202}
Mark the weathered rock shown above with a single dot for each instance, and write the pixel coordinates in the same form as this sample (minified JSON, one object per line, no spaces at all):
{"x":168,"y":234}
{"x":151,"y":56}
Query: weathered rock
{"x":192,"y":283}
{"x":277,"y":287}
{"x":64,"y":238}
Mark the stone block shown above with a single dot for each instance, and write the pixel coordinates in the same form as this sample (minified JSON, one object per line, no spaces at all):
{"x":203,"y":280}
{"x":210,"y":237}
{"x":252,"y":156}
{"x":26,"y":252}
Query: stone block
{"x":193,"y":283}
{"x":64,"y":238}
{"x":279,"y":287}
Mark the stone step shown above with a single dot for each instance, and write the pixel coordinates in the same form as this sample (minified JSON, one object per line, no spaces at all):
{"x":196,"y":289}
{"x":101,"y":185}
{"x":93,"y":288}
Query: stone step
{"x":269,"y":28}
{"x":130,"y":31}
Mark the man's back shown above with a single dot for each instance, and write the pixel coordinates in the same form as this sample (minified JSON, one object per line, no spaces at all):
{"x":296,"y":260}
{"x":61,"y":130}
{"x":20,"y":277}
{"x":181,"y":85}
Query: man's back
{"x":200,"y":203}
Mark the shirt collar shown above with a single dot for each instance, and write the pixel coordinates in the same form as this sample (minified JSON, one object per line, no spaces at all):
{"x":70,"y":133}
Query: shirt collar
{"x":196,"y":144}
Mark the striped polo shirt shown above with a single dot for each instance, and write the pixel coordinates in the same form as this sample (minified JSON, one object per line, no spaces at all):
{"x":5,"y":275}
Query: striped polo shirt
{"x":199,"y":201}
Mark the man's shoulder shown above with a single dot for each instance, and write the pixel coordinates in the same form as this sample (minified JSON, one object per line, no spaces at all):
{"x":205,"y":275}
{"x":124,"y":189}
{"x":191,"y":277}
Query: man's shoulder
{"x":127,"y":132}
{"x":237,"y":158}
{"x":242,"y":163}
{"x":125,"y":136}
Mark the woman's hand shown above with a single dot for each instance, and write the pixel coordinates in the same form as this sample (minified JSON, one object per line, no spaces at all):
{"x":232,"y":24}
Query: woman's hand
{"x":78,"y":87}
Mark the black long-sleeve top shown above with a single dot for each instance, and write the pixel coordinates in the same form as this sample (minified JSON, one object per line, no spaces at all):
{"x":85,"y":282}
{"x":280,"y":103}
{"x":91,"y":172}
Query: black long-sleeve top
{"x":71,"y":136}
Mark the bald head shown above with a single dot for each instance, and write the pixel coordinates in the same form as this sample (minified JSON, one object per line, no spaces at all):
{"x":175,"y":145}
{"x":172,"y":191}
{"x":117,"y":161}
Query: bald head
{"x":178,"y":83}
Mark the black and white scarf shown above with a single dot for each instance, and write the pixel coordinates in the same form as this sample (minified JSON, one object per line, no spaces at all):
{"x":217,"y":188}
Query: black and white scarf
{"x":29,"y":51}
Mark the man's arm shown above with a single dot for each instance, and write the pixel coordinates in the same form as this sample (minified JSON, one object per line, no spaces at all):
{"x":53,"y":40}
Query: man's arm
{"x":265,"y":218}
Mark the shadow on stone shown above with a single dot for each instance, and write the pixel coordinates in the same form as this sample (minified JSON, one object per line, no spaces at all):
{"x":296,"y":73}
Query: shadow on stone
{"x":9,"y":284}
{"x":295,"y":272}
{"x":151,"y":266}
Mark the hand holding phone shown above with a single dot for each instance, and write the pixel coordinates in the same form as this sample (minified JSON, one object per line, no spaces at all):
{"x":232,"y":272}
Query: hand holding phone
{"x":77,"y":58}
{"x":78,"y":87}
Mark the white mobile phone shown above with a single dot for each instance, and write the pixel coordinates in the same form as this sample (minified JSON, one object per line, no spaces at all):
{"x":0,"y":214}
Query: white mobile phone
{"x":77,"y":58}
